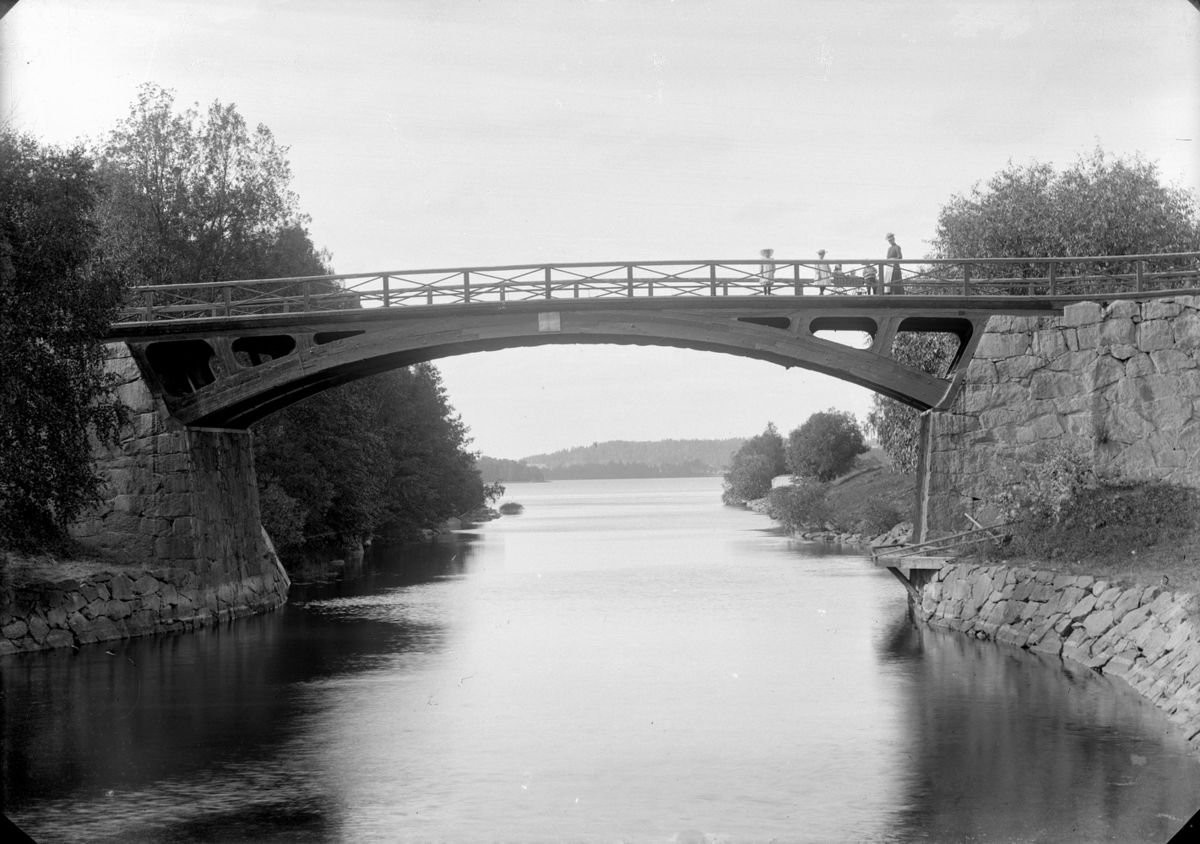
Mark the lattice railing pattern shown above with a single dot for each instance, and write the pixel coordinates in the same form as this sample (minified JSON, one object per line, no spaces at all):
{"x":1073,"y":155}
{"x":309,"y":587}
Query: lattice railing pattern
{"x":1025,"y":277}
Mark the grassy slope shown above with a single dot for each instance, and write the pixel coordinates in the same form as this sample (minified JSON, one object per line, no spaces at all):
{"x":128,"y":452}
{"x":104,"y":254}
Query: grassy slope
{"x":873,"y":478}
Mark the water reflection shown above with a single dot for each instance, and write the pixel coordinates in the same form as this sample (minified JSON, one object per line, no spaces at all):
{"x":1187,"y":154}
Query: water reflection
{"x":1008,"y":745}
{"x":571,"y":675}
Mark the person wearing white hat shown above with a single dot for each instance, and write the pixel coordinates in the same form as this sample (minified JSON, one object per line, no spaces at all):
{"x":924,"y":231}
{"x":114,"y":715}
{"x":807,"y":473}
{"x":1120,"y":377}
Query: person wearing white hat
{"x":823,"y":274}
{"x":895,"y":287}
{"x":768,"y":271}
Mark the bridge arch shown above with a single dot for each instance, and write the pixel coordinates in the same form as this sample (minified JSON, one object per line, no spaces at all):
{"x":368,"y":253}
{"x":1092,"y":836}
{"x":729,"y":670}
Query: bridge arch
{"x":236,"y":372}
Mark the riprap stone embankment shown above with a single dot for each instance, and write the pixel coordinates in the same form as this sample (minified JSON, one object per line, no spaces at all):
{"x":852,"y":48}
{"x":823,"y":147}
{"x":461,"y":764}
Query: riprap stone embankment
{"x":1141,"y":635}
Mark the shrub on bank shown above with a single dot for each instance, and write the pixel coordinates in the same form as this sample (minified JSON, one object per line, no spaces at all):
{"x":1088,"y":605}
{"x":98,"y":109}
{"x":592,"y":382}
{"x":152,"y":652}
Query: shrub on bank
{"x":875,"y":517}
{"x":511,"y":508}
{"x":799,"y":506}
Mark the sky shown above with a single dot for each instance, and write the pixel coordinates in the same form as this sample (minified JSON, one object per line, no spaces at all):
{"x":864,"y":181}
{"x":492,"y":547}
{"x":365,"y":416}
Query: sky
{"x":454,"y":133}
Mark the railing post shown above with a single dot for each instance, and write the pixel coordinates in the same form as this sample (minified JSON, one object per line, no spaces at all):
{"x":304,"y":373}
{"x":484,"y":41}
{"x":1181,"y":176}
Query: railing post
{"x":1053,"y":279}
{"x":387,"y":292}
{"x":882,"y":280}
{"x":629,"y":280}
{"x":796,"y":278}
{"x":966,"y":279}
{"x":228,"y":296}
{"x":1140,"y":274}
{"x":712,"y":279}
{"x":466,"y":288}
{"x":503,"y":286}
{"x":547,"y":282}
{"x":149,"y":305}
{"x":306,"y":293}
{"x":429,"y":296}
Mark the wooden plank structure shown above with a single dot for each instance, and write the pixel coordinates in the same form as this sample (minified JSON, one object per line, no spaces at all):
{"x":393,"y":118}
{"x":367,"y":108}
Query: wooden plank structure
{"x":903,"y":561}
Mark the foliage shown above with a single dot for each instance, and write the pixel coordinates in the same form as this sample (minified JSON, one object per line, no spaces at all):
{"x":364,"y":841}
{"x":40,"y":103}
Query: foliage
{"x":57,"y":298}
{"x":895,"y":424}
{"x":876,"y":516}
{"x":1046,"y":488}
{"x":800,"y":505}
{"x":196,"y":198}
{"x":385,"y":456}
{"x":825,"y":446}
{"x":753,"y":466}
{"x":748,"y":480}
{"x":512,"y":508}
{"x":1101,"y":205}
{"x":494,"y":469}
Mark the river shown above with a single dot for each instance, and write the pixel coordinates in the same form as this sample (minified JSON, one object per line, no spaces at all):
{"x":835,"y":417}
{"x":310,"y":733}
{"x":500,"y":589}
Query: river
{"x":624,"y":661}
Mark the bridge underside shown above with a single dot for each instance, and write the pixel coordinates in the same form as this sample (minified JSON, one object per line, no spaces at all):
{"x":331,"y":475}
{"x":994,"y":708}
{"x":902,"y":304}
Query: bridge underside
{"x":232,"y":373}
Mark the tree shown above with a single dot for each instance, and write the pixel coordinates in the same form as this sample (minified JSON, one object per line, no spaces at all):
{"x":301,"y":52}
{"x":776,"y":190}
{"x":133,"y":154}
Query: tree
{"x":825,"y":446}
{"x":57,"y":299}
{"x":200,"y":199}
{"x":753,"y":466}
{"x":895,"y":424}
{"x":1100,"y":206}
{"x":748,"y":479}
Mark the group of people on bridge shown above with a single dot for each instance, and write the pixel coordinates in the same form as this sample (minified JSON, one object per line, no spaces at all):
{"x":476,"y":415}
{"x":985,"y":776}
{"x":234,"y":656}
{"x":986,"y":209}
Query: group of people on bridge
{"x":834,"y":279}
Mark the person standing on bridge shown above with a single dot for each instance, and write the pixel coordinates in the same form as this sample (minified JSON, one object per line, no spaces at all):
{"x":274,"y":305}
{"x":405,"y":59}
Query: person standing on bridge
{"x":768,"y":271}
{"x":895,"y":287}
{"x":823,"y":274}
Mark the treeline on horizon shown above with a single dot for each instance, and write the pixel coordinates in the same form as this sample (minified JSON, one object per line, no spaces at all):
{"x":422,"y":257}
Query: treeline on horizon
{"x":497,"y":470}
{"x":713,"y":453}
{"x":187,"y":197}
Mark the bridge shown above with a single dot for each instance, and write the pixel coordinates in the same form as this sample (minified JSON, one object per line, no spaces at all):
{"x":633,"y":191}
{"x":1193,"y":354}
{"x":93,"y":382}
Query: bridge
{"x":226,"y":354}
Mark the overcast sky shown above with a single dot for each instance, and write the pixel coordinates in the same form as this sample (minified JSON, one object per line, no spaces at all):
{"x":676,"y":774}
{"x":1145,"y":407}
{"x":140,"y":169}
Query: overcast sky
{"x":446,"y":133}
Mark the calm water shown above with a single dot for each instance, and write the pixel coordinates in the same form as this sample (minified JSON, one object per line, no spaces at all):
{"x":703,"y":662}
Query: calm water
{"x":625,"y":661}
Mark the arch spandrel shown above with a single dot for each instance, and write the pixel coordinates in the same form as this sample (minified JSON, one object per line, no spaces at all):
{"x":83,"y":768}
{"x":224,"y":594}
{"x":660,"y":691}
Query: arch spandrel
{"x":258,"y":367}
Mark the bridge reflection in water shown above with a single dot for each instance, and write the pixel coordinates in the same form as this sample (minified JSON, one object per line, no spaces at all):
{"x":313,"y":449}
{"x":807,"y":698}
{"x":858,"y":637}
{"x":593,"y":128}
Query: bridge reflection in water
{"x":226,"y":354}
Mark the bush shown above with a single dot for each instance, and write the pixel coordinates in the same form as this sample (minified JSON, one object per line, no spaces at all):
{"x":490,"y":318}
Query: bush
{"x":749,"y":479}
{"x":511,"y":508}
{"x":825,"y":446}
{"x":876,"y":517}
{"x":1041,"y":493}
{"x":801,"y":505}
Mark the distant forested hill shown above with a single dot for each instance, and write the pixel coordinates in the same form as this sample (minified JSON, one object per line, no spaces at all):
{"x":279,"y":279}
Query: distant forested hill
{"x":712,"y":453}
{"x":493,"y":469}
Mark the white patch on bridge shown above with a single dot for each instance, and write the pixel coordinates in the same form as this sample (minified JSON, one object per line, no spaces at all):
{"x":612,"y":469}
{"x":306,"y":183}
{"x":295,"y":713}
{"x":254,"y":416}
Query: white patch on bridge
{"x":549,"y":321}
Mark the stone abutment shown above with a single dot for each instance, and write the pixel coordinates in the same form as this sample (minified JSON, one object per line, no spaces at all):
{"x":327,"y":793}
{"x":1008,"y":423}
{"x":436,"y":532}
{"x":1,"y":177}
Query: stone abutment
{"x":180,"y":521}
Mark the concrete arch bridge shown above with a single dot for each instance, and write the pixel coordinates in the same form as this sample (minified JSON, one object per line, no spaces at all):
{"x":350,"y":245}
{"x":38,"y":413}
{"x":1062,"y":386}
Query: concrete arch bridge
{"x":226,"y":354}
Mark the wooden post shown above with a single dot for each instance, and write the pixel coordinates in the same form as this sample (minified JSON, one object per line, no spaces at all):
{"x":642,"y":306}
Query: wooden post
{"x":466,"y":287}
{"x":1053,"y":280}
{"x":305,"y":287}
{"x":503,"y":285}
{"x":547,"y":282}
{"x":882,"y":280}
{"x":387,"y":293}
{"x":149,"y":305}
{"x":577,"y":290}
{"x":1140,"y":274}
{"x":629,"y":280}
{"x":966,"y":279}
{"x":796,"y":278}
{"x":227,"y":293}
{"x":712,"y":279}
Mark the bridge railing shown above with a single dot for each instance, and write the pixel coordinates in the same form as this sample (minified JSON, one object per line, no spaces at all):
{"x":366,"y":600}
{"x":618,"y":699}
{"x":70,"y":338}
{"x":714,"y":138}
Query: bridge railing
{"x":1039,"y":277}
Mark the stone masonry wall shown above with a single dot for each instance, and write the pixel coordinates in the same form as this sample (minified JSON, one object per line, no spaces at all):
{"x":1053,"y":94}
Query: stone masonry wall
{"x":1122,"y":381}
{"x":1139,"y":635}
{"x":180,"y":513}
